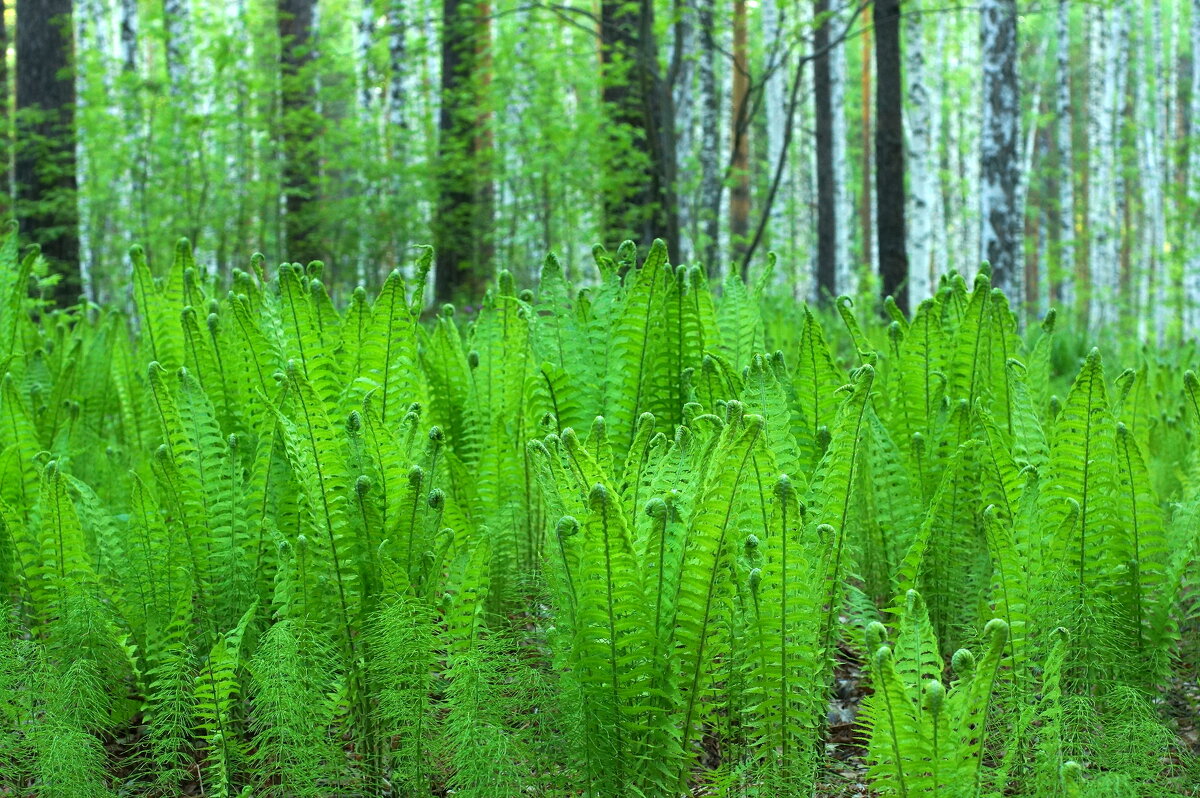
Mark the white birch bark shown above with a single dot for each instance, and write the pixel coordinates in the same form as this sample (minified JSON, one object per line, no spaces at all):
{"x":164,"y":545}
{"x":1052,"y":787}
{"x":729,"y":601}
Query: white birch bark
{"x":239,"y":165}
{"x":1047,"y":219}
{"x":685,"y":119}
{"x":920,"y":158}
{"x":1122,"y":13}
{"x":1000,"y":239}
{"x":86,"y":13}
{"x":364,"y":35}
{"x":724,"y":44}
{"x":129,"y":35}
{"x":177,"y":19}
{"x":1102,"y":112}
{"x":1066,"y":163}
{"x":1158,"y":177}
{"x":937,"y":86}
{"x":397,"y":49}
{"x":962,"y":141}
{"x":778,"y":69}
{"x":1152,"y":278}
{"x":845,"y":275}
{"x":1028,"y":148}
{"x":397,"y":127}
{"x":1191,"y":280}
{"x":710,"y":177}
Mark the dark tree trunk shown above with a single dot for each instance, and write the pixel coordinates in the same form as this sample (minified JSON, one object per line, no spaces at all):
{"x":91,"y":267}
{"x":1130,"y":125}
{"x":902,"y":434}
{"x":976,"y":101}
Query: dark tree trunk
{"x":639,"y":185}
{"x":889,"y":153}
{"x":826,"y":191}
{"x":45,"y":159}
{"x":462,"y":228}
{"x":300,"y":128}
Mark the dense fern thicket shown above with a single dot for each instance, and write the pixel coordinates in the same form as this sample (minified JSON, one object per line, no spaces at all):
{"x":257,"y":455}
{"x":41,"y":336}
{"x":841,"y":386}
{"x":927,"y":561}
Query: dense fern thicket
{"x":607,"y":542}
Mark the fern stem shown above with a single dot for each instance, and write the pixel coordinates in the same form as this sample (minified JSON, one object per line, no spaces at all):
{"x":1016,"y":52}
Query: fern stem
{"x":708,"y":599}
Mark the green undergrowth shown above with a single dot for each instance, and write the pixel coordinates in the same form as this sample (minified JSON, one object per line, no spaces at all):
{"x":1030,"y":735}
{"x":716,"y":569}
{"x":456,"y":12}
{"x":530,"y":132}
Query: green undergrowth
{"x":602,"y":541}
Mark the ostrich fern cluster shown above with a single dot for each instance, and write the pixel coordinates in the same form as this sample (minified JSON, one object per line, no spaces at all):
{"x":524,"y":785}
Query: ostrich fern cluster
{"x":601,"y":541}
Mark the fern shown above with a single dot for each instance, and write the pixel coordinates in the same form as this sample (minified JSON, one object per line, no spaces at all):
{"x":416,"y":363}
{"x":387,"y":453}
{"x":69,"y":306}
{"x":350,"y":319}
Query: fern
{"x":595,"y":539}
{"x":925,"y":739}
{"x":216,"y":690}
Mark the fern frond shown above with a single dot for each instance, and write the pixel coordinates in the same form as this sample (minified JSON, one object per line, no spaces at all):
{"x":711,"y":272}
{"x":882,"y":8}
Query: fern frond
{"x":704,"y":584}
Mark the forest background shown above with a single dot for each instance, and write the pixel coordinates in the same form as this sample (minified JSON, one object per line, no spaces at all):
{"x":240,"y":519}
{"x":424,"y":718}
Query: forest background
{"x":871,"y":146}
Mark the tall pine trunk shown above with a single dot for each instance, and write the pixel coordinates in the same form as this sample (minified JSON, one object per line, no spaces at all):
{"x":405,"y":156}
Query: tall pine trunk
{"x":45,"y":158}
{"x":462,"y":225}
{"x":639,"y":183}
{"x":827,"y":287}
{"x":889,"y":153}
{"x":300,"y":125}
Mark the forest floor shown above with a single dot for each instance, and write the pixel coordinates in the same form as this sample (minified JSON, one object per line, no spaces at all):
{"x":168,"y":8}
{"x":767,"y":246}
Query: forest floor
{"x":845,"y":772}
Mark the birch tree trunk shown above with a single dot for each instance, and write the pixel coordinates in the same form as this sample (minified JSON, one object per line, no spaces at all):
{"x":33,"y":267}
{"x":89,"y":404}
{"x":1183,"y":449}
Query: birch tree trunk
{"x":939,"y":157}
{"x":397,"y":31}
{"x":1103,"y":263}
{"x":920,"y":163}
{"x":682,"y":80}
{"x":710,"y":176}
{"x":1065,"y":276}
{"x":846,"y":275}
{"x":128,"y":24}
{"x":777,"y":71}
{"x":239,"y":165}
{"x":1155,"y":140}
{"x":6,"y":187}
{"x":739,"y":133}
{"x":87,"y":45}
{"x":1191,"y":289}
{"x":1122,"y":119}
{"x":177,"y":21}
{"x":1029,"y":225}
{"x":396,"y":137}
{"x":1000,"y":230}
{"x":867,"y":192}
{"x":364,"y":37}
